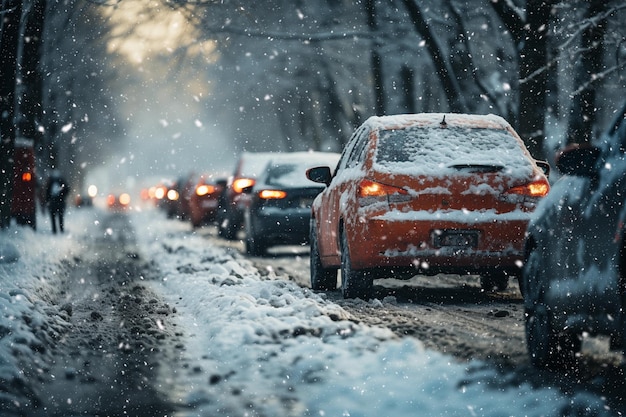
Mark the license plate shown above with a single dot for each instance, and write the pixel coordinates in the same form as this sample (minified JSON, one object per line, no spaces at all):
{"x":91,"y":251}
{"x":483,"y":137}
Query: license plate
{"x":455,"y":238}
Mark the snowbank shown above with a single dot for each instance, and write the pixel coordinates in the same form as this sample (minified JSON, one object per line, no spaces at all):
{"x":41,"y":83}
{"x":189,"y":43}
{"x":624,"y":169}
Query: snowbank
{"x":256,"y":345}
{"x":291,"y":353}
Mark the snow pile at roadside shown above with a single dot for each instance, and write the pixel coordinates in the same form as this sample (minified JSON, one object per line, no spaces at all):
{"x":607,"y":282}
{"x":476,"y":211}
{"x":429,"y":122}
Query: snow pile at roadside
{"x":264,"y":346}
{"x":29,"y":324}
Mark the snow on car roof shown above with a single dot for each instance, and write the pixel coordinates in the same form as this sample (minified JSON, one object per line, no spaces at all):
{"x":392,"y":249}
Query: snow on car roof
{"x":300,"y":161}
{"x":399,"y":121}
{"x":252,"y":163}
{"x":428,"y":144}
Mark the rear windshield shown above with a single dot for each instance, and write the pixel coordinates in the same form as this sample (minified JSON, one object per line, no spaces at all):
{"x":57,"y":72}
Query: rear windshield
{"x":289,"y":175}
{"x":433,"y":150}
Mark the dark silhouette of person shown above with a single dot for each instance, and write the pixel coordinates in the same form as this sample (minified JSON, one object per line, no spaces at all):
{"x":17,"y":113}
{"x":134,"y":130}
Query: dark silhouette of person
{"x":56,"y":193}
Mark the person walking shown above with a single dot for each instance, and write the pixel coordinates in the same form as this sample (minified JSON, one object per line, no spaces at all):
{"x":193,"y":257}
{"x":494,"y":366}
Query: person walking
{"x":56,"y":193}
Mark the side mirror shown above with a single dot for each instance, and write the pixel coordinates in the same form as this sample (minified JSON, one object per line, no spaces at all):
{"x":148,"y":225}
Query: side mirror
{"x":319,"y":174}
{"x":544,"y":166}
{"x":578,"y":159}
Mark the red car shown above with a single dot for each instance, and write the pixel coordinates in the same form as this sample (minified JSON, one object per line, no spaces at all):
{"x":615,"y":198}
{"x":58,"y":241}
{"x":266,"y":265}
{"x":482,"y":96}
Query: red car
{"x":205,"y":199}
{"x":424,"y":193}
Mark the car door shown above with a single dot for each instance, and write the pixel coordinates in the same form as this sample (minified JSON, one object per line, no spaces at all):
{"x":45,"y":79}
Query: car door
{"x":602,"y":217}
{"x":328,"y":215}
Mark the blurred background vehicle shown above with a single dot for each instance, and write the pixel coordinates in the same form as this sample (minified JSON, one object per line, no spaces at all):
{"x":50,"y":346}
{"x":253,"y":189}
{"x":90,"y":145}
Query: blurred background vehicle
{"x":175,"y":206}
{"x":118,"y":202}
{"x":428,"y":193}
{"x":248,"y":167}
{"x":280,"y":201}
{"x":205,"y":199}
{"x":574,"y":277}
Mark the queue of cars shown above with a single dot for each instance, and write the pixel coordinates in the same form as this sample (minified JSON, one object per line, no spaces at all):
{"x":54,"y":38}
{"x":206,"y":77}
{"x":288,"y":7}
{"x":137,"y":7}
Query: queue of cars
{"x":431,"y":193}
{"x":196,"y":198}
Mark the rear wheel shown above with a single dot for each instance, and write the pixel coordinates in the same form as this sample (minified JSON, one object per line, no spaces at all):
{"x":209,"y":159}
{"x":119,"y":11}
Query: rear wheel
{"x":622,"y":288}
{"x":547,"y":347}
{"x":227,"y":229}
{"x":255,"y":244}
{"x":354,"y":284}
{"x":322,"y":279}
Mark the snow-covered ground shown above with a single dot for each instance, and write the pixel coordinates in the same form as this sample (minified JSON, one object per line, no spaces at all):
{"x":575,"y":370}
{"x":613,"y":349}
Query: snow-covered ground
{"x":256,"y":344}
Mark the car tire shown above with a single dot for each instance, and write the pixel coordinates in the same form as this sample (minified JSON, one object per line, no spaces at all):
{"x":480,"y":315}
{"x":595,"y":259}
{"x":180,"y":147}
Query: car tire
{"x":255,"y":245}
{"x":322,"y":279}
{"x":622,"y":288}
{"x":546,"y":347}
{"x":354,"y":283}
{"x":494,"y":281}
{"x":227,"y":229}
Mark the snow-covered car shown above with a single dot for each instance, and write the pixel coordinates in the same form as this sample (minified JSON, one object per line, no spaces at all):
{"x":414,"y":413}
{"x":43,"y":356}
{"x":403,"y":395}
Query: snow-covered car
{"x":280,"y":201}
{"x":424,"y":193}
{"x":248,"y":167}
{"x":574,"y":277}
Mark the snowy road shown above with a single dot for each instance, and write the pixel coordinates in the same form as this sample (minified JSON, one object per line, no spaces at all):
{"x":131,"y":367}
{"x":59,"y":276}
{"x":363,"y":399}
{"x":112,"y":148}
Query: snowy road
{"x":138,"y":315}
{"x":105,"y":364}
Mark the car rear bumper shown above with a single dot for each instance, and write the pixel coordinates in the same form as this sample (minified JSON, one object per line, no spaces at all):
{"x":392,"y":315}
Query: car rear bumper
{"x":439,"y":242}
{"x":282,"y":226}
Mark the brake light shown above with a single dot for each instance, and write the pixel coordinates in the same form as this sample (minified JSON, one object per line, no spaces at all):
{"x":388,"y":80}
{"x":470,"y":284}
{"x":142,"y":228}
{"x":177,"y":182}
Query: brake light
{"x":159,"y":193}
{"x":241,"y":183}
{"x":534,"y":189}
{"x":172,"y":195}
{"x":124,"y":199}
{"x":27,"y":176}
{"x":369,"y":188}
{"x":272,"y":194}
{"x":205,"y":189}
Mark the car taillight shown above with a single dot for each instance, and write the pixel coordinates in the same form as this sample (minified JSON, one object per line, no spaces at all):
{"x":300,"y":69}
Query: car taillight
{"x":27,"y":176}
{"x":172,"y":195}
{"x":538,"y":188}
{"x":124,"y":199}
{"x":272,"y":194}
{"x":241,"y":183}
{"x":160,"y":192}
{"x":372,"y":192}
{"x":205,"y":189}
{"x":369,"y":188}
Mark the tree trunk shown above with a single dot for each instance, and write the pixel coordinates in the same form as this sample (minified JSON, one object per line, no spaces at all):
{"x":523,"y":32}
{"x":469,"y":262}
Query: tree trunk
{"x":530,"y":38}
{"x":443,"y":69}
{"x":582,"y":113}
{"x":408,"y":89}
{"x":377,"y":72}
{"x":9,"y":35}
{"x":533,"y":77}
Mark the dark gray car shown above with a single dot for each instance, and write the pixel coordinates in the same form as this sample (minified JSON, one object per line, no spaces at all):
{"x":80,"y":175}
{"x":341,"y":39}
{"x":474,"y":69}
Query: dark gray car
{"x":575,"y":270}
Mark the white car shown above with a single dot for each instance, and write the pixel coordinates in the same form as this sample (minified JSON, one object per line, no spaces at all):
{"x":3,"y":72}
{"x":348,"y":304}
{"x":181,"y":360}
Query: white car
{"x":574,"y":277}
